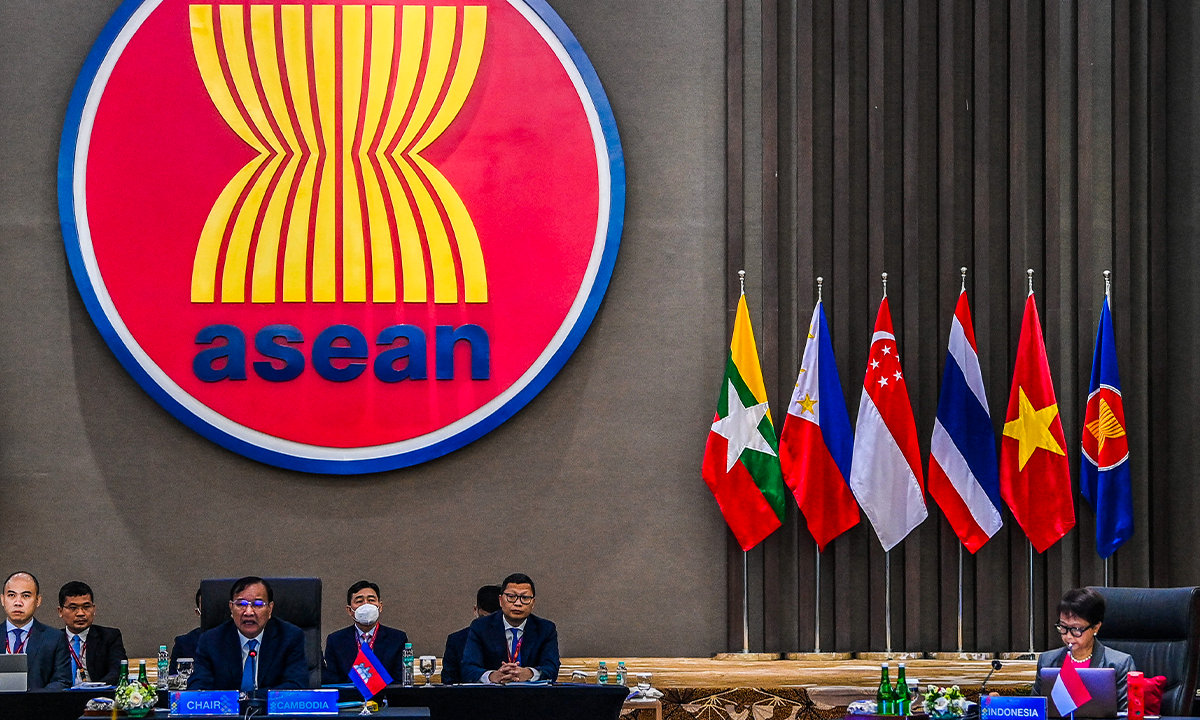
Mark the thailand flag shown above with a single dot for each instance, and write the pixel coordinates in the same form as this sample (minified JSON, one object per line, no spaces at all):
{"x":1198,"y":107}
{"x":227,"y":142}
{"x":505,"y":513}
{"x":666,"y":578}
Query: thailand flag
{"x":885,"y":474}
{"x":964,"y":476}
{"x":1105,"y":479}
{"x":1069,"y":693}
{"x":368,"y":673}
{"x":817,"y":444}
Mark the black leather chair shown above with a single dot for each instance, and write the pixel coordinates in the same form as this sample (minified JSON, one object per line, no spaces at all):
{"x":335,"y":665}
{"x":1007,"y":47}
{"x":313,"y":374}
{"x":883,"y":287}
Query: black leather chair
{"x":1160,"y":628}
{"x":297,"y":600}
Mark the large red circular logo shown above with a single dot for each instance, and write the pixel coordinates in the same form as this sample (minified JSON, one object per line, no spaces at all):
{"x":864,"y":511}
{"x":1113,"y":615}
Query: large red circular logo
{"x":341,"y":237}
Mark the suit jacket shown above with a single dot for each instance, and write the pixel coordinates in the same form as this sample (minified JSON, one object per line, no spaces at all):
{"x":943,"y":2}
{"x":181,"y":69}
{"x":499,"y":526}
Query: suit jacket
{"x":341,"y":647}
{"x":104,"y":652}
{"x":453,"y":657}
{"x":184,"y":647}
{"x":1102,"y":657}
{"x":281,"y":660}
{"x":49,"y":661}
{"x":487,"y":647}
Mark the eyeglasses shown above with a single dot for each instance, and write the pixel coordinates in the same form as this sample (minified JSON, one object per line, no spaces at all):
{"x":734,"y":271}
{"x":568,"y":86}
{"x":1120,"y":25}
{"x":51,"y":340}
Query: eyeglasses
{"x":1074,"y":631}
{"x":246,"y":604}
{"x":86,"y":607}
{"x":516,"y":599}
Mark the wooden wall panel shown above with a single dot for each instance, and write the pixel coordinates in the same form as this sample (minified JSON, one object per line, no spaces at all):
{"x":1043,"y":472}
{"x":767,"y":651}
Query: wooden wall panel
{"x":922,"y":136}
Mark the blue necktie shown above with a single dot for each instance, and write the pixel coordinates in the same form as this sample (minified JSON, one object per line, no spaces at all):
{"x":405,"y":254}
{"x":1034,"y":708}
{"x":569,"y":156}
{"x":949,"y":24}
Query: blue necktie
{"x":248,"y":668}
{"x":17,"y":633}
{"x":74,"y":666}
{"x":513,"y":651}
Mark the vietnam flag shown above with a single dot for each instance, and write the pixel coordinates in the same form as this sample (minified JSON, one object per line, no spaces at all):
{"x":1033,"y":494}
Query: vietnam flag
{"x":1035,"y":478}
{"x":741,"y":459}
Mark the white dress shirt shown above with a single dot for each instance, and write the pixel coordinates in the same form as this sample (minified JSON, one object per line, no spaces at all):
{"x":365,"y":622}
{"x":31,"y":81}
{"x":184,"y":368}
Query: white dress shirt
{"x":82,"y":648}
{"x":246,"y":651}
{"x":12,"y":639}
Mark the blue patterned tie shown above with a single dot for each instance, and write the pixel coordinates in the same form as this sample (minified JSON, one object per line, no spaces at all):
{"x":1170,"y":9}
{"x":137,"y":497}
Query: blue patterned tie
{"x":78,"y":654}
{"x":17,"y":634}
{"x":248,"y":668}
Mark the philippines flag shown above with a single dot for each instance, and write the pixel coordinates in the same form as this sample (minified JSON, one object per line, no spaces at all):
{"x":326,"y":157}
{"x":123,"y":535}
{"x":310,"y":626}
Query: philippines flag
{"x":964,"y":476}
{"x":817,"y":444}
{"x":1069,"y":693}
{"x":368,"y":673}
{"x":1104,"y":477}
{"x":885,"y":474}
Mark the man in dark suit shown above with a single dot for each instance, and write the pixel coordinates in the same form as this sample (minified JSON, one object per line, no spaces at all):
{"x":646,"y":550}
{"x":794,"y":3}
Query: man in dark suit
{"x":185,"y":645}
{"x":96,"y":651}
{"x":250,"y":651}
{"x":46,"y":649}
{"x":513,"y":645}
{"x":363,"y":605}
{"x":487,"y":601}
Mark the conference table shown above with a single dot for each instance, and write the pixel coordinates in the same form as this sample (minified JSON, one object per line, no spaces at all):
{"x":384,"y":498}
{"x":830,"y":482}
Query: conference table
{"x":445,"y":702}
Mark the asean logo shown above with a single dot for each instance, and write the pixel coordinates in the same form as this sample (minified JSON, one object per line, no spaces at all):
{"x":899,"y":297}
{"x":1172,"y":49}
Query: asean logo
{"x":341,"y":237}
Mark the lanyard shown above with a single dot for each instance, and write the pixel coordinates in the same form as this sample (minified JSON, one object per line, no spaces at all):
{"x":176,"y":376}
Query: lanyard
{"x":514,"y":654}
{"x":370,"y":638}
{"x":20,"y":648}
{"x":78,"y":658}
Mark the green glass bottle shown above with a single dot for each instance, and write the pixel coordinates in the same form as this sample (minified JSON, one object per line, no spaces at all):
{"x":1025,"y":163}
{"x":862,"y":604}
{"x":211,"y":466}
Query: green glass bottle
{"x":142,"y":680}
{"x":901,"y":693}
{"x":883,"y":696}
{"x":123,"y":679}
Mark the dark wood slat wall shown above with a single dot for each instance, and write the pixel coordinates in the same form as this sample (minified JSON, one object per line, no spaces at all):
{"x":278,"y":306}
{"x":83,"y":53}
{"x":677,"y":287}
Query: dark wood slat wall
{"x":917,"y":137}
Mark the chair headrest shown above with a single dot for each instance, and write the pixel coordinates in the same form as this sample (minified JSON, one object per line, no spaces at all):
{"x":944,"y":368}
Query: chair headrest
{"x":1149,"y":613}
{"x":297,"y":600}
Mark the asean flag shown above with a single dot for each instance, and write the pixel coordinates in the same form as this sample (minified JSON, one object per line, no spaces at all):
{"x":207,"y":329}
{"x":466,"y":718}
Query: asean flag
{"x":885,"y":474}
{"x":817,"y":443}
{"x":369,"y":675}
{"x":1104,"y":477}
{"x":1035,"y":478}
{"x":963,"y":474}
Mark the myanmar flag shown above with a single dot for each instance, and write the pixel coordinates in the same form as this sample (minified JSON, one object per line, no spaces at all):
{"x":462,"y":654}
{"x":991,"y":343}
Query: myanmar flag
{"x":741,"y":459}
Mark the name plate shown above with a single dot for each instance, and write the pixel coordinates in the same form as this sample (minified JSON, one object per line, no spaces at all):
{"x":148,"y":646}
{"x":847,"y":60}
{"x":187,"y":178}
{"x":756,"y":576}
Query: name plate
{"x":204,"y":702}
{"x":1012,"y":708}
{"x":302,"y":702}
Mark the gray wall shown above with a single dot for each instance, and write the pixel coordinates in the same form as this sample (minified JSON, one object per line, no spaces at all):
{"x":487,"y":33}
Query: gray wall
{"x":616,"y":526}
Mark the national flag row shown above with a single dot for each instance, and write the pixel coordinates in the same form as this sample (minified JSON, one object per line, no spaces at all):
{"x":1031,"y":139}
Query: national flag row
{"x":833,"y":471}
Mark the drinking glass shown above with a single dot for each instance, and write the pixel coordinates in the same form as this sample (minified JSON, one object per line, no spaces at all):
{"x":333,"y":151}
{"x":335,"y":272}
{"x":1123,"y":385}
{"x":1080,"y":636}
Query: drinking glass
{"x":579,"y":676}
{"x":428,"y":666}
{"x":184,"y":667}
{"x":643,"y":682}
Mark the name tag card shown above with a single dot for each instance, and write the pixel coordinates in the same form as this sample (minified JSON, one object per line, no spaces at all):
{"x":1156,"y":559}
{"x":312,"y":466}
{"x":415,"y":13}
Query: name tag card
{"x":204,"y":702}
{"x":302,"y":702}
{"x":1012,"y":708}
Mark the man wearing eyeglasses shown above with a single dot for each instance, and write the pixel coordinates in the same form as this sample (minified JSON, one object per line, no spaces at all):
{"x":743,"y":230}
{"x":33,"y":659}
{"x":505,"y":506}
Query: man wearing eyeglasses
{"x":250,"y":651}
{"x":513,"y":645}
{"x":96,"y":651}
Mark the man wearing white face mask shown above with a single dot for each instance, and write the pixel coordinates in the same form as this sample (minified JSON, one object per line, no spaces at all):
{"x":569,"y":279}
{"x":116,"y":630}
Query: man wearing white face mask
{"x":363,"y":606}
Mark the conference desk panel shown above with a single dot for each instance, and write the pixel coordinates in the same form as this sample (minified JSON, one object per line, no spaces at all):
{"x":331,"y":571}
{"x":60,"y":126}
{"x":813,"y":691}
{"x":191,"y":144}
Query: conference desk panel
{"x":519,"y":702}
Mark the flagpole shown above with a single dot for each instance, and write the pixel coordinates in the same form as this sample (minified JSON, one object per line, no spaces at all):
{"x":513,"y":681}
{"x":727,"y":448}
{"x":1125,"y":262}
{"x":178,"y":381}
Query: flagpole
{"x":745,"y":602}
{"x":1106,"y":576}
{"x":1031,"y":650}
{"x":960,"y":598}
{"x":887,"y":584}
{"x":817,"y":605}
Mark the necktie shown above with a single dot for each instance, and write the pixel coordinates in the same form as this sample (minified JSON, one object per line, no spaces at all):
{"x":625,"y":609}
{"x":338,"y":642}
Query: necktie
{"x":74,"y":666}
{"x":17,"y":634}
{"x":248,"y":668}
{"x":513,"y":649}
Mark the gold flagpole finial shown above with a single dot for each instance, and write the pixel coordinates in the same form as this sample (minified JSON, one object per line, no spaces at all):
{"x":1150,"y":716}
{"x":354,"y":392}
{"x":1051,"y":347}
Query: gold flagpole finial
{"x":884,"y":276}
{"x":742,"y":280}
{"x":963,"y":270}
{"x":1107,"y":282}
{"x":1029,"y":274}
{"x":820,"y":282}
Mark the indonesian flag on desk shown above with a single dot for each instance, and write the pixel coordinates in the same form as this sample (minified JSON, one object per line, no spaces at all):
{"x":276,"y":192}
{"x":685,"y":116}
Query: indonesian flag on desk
{"x":817,"y":443}
{"x":1104,"y":478}
{"x":963,"y":474}
{"x":1069,"y":692}
{"x":741,"y":459}
{"x":1035,"y":479}
{"x":885,"y":474}
{"x":369,"y":675}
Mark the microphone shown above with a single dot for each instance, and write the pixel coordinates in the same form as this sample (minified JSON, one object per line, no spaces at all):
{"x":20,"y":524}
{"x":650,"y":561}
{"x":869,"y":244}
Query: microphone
{"x":976,"y":712}
{"x":996,"y":665}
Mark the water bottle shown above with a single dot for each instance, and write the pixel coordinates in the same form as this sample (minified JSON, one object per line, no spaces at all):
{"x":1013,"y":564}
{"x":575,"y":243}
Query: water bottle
{"x":164,"y":666}
{"x":883,"y":696}
{"x":622,"y":674}
{"x":901,"y":693}
{"x":123,"y":679}
{"x":142,"y":673}
{"x":407,"y":680}
{"x":602,"y":674}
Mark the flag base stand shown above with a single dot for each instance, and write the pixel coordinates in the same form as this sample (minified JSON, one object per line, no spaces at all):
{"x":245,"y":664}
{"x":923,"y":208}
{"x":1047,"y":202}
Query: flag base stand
{"x":1027,"y":655}
{"x":882,"y":656}
{"x":819,"y":656}
{"x":952,"y":656}
{"x":748,"y":656}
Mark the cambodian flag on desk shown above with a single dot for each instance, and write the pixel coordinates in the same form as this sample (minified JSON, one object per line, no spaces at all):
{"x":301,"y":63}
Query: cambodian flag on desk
{"x":368,"y":673}
{"x":1104,"y":477}
{"x":964,"y":475}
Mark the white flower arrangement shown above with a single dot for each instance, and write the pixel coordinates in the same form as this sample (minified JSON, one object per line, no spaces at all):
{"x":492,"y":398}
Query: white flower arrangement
{"x":945,"y":702}
{"x":136,"y":696}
